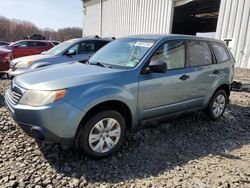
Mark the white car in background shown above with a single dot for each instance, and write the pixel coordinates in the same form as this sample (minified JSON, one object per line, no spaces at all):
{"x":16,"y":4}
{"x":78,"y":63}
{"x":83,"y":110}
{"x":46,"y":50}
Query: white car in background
{"x":79,"y":49}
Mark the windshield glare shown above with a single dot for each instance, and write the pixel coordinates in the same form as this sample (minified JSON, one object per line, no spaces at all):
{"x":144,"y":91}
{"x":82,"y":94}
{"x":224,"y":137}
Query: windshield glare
{"x":123,"y":52}
{"x":59,"y":48}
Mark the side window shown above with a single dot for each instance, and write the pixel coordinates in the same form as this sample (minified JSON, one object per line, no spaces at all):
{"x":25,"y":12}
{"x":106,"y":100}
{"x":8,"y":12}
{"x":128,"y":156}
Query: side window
{"x":86,"y":47}
{"x":40,"y":44}
{"x":221,"y":52}
{"x":22,"y":44}
{"x":171,"y":52}
{"x":31,"y":44}
{"x":100,"y":44}
{"x":198,"y":53}
{"x":74,"y":49}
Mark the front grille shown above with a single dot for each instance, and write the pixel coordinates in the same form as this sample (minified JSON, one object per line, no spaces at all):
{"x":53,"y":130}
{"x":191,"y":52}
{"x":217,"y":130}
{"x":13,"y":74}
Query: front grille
{"x":14,"y":96}
{"x":15,"y":93}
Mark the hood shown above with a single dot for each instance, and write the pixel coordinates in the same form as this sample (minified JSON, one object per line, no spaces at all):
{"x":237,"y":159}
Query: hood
{"x":31,"y":58}
{"x":64,"y":75}
{"x":4,"y":50}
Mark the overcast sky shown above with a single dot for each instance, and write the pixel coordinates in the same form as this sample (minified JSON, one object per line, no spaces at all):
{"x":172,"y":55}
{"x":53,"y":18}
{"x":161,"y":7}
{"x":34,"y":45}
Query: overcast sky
{"x":44,"y":13}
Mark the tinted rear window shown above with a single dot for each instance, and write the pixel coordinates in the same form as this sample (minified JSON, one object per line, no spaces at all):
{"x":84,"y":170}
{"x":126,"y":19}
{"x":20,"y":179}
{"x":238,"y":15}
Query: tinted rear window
{"x":221,"y":52}
{"x":41,"y":44}
{"x":198,"y":53}
{"x":100,"y":44}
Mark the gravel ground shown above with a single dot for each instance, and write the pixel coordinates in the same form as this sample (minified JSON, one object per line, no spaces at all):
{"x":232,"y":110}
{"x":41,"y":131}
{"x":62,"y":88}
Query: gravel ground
{"x":188,"y":151}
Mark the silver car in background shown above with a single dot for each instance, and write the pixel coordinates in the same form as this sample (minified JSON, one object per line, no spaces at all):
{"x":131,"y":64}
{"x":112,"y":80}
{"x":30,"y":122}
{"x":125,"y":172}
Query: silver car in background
{"x":79,"y":49}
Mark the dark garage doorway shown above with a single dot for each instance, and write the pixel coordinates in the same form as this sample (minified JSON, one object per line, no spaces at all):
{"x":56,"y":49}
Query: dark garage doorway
{"x":197,"y":16}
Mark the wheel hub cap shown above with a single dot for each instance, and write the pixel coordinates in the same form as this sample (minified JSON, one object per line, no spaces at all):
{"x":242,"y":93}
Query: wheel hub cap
{"x":104,"y":135}
{"x":219,"y":105}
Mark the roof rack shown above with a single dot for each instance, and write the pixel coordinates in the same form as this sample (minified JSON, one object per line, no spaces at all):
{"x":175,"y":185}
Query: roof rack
{"x":113,"y":38}
{"x":92,"y":36}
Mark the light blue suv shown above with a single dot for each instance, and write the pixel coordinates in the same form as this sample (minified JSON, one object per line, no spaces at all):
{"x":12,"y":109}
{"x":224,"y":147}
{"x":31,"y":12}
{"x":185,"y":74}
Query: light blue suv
{"x":129,"y":81}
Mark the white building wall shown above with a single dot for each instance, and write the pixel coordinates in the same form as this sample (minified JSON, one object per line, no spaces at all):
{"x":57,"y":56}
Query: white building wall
{"x":234,"y":23}
{"x":128,"y":17}
{"x":92,"y":18}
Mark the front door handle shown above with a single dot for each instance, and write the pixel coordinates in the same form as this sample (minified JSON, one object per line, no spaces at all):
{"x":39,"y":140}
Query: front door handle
{"x":216,"y":72}
{"x":184,"y":77}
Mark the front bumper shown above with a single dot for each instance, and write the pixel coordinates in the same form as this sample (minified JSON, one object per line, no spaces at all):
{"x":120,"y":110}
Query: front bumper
{"x":54,"y":123}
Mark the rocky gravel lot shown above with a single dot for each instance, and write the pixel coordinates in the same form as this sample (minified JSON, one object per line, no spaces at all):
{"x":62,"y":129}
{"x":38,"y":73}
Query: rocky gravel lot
{"x":188,"y":151}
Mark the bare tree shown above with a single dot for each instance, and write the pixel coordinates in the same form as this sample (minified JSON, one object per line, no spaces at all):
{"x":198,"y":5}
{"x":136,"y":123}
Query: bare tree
{"x":13,"y":30}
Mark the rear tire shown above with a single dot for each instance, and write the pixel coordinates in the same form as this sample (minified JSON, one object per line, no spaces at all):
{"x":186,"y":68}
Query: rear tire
{"x":102,"y":134}
{"x":217,"y":105}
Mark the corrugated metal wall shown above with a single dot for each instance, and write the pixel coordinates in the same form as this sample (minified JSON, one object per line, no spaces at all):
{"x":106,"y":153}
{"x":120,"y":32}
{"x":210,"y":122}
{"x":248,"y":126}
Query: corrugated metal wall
{"x":234,"y":22}
{"x":92,"y":18}
{"x":129,"y":17}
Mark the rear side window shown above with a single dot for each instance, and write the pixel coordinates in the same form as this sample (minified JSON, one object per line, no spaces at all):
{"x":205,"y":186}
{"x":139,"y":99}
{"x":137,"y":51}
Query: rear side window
{"x":86,"y":47}
{"x":198,"y":54}
{"x":100,"y":44}
{"x":172,"y":53}
{"x":41,"y":44}
{"x":36,"y":44}
{"x":221,"y":52}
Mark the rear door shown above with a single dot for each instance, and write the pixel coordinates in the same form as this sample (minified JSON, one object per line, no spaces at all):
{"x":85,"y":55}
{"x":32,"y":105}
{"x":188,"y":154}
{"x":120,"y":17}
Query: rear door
{"x":202,"y":68}
{"x":37,"y":47}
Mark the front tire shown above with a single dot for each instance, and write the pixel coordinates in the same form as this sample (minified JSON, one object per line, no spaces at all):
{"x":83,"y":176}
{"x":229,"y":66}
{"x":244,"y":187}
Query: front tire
{"x":102,"y":134}
{"x":217,"y":105}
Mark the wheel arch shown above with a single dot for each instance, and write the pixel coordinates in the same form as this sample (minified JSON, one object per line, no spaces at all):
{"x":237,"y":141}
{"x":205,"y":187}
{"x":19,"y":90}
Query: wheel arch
{"x":116,"y":105}
{"x":225,"y":87}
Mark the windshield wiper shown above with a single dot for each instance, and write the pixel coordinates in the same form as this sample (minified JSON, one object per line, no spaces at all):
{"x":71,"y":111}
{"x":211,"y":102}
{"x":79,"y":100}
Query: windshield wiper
{"x":85,"y":61}
{"x":101,"y":64}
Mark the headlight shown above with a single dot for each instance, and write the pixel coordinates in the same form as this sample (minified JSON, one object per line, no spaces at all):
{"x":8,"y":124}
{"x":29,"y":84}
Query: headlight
{"x":40,"y":98}
{"x":23,"y":64}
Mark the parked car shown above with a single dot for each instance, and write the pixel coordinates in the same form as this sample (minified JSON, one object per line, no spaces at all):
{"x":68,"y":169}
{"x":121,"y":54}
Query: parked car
{"x":3,"y":43}
{"x":72,"y":50}
{"x":29,"y":47}
{"x":5,"y":58}
{"x":129,"y":81}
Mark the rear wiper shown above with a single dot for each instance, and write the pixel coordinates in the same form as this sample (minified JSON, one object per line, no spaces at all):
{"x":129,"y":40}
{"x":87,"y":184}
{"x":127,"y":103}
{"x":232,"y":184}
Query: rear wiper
{"x":101,"y":64}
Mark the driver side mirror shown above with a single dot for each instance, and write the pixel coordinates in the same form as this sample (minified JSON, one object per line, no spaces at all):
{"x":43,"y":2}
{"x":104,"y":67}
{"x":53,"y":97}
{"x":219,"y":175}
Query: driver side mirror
{"x":157,"y":66}
{"x":70,"y":52}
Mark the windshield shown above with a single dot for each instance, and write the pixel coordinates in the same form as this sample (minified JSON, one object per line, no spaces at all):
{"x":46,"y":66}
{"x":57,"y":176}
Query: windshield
{"x":124,"y":52}
{"x":59,"y":48}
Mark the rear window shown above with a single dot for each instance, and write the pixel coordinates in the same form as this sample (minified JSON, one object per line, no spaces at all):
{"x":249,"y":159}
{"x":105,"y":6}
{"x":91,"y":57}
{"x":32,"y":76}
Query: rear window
{"x":221,"y":52}
{"x":198,"y":54}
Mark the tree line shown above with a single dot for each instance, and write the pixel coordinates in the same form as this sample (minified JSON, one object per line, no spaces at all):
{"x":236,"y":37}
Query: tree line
{"x":12,"y":30}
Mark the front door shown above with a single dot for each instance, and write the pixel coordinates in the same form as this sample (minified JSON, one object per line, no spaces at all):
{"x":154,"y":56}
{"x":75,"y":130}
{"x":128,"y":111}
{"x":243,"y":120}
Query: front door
{"x":169,"y":92}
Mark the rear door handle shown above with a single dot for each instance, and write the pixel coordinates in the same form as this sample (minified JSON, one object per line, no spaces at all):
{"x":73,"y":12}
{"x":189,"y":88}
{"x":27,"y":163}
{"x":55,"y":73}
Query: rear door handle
{"x":184,"y":77}
{"x":216,"y":72}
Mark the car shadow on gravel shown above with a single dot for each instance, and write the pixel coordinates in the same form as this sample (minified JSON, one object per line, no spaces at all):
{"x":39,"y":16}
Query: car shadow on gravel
{"x":1,"y":100}
{"x":154,"y":149}
{"x":2,"y":90}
